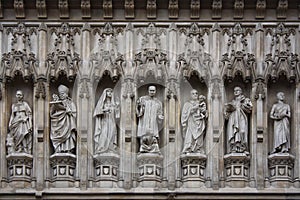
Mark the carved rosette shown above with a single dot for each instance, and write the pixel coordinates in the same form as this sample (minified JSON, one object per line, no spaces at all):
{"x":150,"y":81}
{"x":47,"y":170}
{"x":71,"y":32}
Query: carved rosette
{"x":106,"y":166}
{"x":19,"y":166}
{"x":193,"y":168}
{"x":150,"y":168}
{"x":63,"y":166}
{"x":237,"y":169}
{"x":281,"y":167}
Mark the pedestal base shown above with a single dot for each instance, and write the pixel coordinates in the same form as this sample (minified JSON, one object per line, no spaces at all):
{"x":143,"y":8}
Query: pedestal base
{"x":193,"y":169}
{"x":150,"y":169}
{"x":237,"y":169}
{"x":63,"y":169}
{"x":281,"y":167}
{"x":20,"y":169}
{"x":106,"y":169}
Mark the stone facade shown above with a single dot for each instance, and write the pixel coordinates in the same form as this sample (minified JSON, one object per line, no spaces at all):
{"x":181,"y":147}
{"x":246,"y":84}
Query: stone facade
{"x":88,"y":46}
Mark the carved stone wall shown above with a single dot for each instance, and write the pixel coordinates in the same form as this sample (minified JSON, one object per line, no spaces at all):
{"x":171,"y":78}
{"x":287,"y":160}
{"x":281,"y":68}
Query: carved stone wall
{"x":204,"y":48}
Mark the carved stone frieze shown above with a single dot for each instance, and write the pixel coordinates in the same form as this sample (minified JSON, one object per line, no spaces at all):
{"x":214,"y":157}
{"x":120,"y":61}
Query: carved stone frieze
{"x":64,"y":60}
{"x":41,"y":7}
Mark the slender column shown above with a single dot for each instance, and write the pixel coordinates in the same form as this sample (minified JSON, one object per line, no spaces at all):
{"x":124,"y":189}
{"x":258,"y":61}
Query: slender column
{"x":3,"y":128}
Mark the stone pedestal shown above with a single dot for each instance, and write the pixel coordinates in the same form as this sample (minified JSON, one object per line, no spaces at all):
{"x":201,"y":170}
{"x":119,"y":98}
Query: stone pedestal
{"x":237,"y":169}
{"x":20,"y":169}
{"x":281,"y":167}
{"x":150,"y":166}
{"x":63,"y":169}
{"x":106,"y":169}
{"x":193,"y":169}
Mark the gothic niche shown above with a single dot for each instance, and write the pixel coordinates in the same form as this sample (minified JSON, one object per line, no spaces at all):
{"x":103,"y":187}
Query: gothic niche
{"x":194,"y":64}
{"x":107,"y":66}
{"x":62,"y":69}
{"x":238,"y":72}
{"x":18,"y":75}
{"x":282,"y":74}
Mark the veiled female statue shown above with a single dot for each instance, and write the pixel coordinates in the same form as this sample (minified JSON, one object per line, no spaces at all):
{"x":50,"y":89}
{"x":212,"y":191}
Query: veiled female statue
{"x":237,"y":127}
{"x":106,"y":112}
{"x":281,"y":113}
{"x":63,"y":122}
{"x":19,"y":138}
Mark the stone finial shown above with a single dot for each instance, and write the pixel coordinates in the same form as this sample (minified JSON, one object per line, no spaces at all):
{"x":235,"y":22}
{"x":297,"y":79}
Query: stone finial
{"x":42,"y":27}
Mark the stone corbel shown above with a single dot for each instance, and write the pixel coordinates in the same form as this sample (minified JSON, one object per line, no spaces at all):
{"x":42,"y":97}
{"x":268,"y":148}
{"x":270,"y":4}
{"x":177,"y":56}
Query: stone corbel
{"x":41,"y":8}
{"x":151,"y":9}
{"x":239,"y":9}
{"x":86,"y":8}
{"x":282,"y":9}
{"x":216,"y":9}
{"x":261,"y":9}
{"x":195,"y":9}
{"x":107,"y":9}
{"x":63,"y":6}
{"x":19,"y":9}
{"x":259,"y":97}
{"x":173,"y":9}
{"x":129,"y":8}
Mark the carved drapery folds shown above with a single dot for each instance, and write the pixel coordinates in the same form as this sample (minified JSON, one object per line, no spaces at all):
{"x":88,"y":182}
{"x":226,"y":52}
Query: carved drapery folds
{"x":20,"y":60}
{"x":238,"y":61}
{"x":106,"y":60}
{"x":64,"y":60}
{"x":281,"y":60}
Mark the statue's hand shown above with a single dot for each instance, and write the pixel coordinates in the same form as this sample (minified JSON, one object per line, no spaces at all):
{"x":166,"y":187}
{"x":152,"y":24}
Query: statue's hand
{"x":161,"y":117}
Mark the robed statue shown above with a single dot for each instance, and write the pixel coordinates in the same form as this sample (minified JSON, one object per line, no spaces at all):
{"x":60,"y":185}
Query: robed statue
{"x":237,"y":127}
{"x":63,"y":122}
{"x":149,"y":112}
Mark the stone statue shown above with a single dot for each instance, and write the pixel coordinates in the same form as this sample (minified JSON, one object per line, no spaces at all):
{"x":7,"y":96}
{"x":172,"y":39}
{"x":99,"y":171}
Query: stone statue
{"x":193,"y":121}
{"x":150,"y":114}
{"x":19,"y":137}
{"x":106,"y":112}
{"x":63,"y":122}
{"x":237,"y":127}
{"x":281,"y":113}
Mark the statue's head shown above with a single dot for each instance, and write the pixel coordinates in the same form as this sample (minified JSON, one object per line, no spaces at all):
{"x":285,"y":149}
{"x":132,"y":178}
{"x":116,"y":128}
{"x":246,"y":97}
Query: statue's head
{"x":152,"y":90}
{"x":194,"y":94}
{"x":237,"y":91}
{"x":109,"y":92}
{"x":19,"y":95}
{"x":63,"y":92}
{"x":280,"y":96}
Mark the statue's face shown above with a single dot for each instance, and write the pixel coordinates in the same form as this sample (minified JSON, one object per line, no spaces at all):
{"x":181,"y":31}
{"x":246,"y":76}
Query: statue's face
{"x":19,"y":95}
{"x":109,"y":93}
{"x":152,"y":91}
{"x":194,"y":94}
{"x":280,"y":96}
{"x":62,"y":95}
{"x":237,"y":91}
